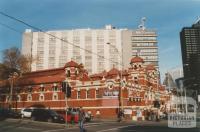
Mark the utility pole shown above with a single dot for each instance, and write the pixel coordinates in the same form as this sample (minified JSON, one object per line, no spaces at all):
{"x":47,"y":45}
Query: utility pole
{"x":11,"y":80}
{"x":121,"y":75}
{"x":11,"y":92}
{"x":66,"y":88}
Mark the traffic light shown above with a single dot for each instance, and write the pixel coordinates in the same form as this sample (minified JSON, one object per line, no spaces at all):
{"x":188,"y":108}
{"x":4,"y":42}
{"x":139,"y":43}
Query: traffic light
{"x":68,"y":90}
{"x":64,"y":87}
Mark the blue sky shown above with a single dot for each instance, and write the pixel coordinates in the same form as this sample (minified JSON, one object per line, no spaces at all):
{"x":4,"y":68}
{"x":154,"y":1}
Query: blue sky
{"x":166,"y":16}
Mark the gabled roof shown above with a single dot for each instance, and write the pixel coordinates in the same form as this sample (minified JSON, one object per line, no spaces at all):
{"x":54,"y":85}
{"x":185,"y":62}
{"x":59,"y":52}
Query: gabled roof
{"x":84,"y":77}
{"x":113,"y":71}
{"x":150,"y":67}
{"x":98,"y":76}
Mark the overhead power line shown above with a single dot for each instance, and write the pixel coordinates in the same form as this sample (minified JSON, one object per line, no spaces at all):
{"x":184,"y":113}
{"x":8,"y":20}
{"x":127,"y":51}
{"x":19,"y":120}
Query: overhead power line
{"x":9,"y":27}
{"x":40,"y":30}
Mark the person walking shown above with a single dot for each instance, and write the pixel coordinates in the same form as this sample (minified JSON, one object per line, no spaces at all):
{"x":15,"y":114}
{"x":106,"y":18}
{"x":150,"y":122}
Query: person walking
{"x":81,"y":120}
{"x":120,"y":116}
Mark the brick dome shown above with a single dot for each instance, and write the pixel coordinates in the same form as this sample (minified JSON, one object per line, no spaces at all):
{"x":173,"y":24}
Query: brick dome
{"x":137,"y":59}
{"x":71,"y":64}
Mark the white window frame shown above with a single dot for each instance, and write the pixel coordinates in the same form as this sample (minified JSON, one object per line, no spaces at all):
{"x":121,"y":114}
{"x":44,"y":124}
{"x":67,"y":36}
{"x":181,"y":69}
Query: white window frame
{"x":78,"y":94}
{"x":29,"y":96}
{"x":55,"y":95}
{"x":97,"y":96}
{"x":87,"y":93}
{"x":41,"y":95}
{"x":18,"y":98}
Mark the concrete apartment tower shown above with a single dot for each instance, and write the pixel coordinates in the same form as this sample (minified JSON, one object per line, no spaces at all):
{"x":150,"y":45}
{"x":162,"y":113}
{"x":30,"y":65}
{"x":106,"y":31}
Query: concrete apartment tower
{"x":113,"y":46}
{"x":143,"y":43}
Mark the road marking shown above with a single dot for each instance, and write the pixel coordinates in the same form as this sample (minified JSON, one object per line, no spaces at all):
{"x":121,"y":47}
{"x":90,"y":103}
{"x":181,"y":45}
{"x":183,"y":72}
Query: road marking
{"x":114,"y":128}
{"x":53,"y":130}
{"x":86,"y":125}
{"x":16,"y":127}
{"x":29,"y":128}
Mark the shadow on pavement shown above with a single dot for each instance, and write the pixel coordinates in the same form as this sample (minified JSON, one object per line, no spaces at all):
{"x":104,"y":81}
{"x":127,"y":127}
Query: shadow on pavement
{"x":157,"y":129}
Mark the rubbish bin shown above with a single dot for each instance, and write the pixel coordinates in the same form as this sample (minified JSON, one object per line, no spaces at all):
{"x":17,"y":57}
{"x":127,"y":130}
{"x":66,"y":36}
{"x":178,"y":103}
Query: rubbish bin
{"x":68,"y":118}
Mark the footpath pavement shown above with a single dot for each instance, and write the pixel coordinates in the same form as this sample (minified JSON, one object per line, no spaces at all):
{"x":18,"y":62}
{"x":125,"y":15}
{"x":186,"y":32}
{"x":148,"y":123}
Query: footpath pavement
{"x":97,"y":122}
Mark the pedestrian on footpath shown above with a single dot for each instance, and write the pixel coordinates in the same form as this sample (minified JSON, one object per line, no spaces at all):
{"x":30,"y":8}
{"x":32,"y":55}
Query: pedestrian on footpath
{"x":120,"y":116}
{"x":81,"y":120}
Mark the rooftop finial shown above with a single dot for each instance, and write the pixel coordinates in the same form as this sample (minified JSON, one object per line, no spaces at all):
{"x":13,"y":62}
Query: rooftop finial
{"x":198,"y":20}
{"x":142,"y":26}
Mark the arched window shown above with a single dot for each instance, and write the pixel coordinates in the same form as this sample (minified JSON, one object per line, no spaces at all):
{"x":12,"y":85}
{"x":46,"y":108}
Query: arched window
{"x":97,"y":93}
{"x":30,"y":89}
{"x":135,"y":66}
{"x":68,"y":73}
{"x":87,"y":93}
{"x":7,"y":98}
{"x":76,"y":72}
{"x":78,"y":94}
{"x":29,"y":97}
{"x":18,"y":98}
{"x":55,"y":96}
{"x":41,"y":97}
{"x":41,"y":87}
{"x":55,"y":87}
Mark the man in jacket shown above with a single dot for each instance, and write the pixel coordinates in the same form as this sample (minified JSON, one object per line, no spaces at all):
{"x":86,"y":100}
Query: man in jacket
{"x":81,"y":120}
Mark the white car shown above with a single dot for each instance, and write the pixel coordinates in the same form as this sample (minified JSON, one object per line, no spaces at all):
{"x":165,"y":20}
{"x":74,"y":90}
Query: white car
{"x":26,"y":112}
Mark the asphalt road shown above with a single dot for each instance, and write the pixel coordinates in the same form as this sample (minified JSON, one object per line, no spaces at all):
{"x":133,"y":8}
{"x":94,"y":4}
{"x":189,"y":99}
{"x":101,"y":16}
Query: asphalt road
{"x":11,"y":125}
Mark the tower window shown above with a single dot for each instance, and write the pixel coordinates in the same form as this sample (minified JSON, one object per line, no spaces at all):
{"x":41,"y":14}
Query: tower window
{"x":87,"y":94}
{"x":55,"y":96}
{"x":68,"y":73}
{"x":76,"y":72}
{"x":78,"y":94}
{"x":41,"y":97}
{"x":97,"y":93}
{"x":135,"y":66}
{"x":29,"y":97}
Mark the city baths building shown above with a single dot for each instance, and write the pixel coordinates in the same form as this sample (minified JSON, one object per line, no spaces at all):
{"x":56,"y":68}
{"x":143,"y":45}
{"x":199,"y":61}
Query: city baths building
{"x":100,"y":94}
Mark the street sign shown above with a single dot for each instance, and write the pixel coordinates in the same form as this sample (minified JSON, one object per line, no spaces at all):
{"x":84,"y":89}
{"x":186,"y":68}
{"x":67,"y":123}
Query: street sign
{"x":128,"y":111}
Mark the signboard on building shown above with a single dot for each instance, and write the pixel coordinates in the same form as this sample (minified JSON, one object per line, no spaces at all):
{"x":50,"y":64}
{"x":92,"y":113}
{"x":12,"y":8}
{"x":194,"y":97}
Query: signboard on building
{"x":128,"y":111}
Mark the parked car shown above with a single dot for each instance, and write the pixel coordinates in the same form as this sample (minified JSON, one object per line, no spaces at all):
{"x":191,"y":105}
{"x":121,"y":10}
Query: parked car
{"x":46,"y":115}
{"x":26,"y":112}
{"x":8,"y":113}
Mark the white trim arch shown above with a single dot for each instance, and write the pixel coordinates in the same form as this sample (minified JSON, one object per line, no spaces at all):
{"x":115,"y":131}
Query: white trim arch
{"x":41,"y":97}
{"x":29,"y":97}
{"x":55,"y":96}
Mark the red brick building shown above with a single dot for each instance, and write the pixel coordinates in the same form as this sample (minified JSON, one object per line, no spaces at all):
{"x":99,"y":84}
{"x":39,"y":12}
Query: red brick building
{"x":101,"y":94}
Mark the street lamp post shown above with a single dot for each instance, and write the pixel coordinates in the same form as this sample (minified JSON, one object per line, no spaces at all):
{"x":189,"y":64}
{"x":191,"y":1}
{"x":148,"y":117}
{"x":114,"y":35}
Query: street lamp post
{"x":121,"y":76}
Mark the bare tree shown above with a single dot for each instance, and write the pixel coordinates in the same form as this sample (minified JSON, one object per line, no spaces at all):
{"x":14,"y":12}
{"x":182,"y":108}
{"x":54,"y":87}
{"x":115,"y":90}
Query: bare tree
{"x":14,"y":61}
{"x":4,"y":71}
{"x":26,"y":61}
{"x":11,"y":58}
